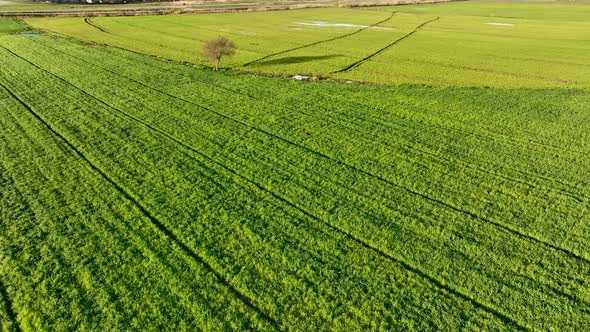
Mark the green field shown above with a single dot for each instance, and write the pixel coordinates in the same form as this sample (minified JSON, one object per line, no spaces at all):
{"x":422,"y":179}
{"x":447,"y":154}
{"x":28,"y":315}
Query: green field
{"x":461,"y":44}
{"x":142,"y":194}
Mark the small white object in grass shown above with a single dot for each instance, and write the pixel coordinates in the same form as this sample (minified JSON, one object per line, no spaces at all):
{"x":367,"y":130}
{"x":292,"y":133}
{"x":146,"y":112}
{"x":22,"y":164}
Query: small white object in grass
{"x":339,"y":25}
{"x":500,"y":24}
{"x":300,"y":77}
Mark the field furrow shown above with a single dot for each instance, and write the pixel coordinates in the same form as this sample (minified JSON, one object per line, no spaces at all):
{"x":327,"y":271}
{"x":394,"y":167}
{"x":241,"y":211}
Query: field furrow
{"x":321,"y":41}
{"x":8,"y":320}
{"x":388,"y":46}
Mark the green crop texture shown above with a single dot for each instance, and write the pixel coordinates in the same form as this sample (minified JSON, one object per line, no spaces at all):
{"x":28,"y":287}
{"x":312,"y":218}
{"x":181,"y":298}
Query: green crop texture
{"x":458,"y":44}
{"x":9,"y":26}
{"x":141,"y":194}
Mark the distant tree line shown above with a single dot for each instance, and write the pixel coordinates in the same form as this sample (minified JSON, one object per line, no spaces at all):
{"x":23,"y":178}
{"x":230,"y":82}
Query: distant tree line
{"x":98,"y":2}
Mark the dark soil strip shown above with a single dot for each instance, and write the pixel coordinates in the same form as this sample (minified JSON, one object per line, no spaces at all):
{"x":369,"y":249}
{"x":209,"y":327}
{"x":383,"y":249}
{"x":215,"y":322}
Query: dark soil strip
{"x":321,"y":41}
{"x":9,"y":307}
{"x":87,"y":20}
{"x":358,"y":63}
{"x":159,"y":225}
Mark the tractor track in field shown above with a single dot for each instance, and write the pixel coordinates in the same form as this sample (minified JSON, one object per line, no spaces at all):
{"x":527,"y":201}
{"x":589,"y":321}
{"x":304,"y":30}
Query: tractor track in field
{"x":441,"y":285}
{"x":439,"y":202}
{"x":397,"y":41}
{"x":154,"y":221}
{"x":94,"y":25}
{"x":9,"y":307}
{"x":483,"y":170}
{"x":321,"y":41}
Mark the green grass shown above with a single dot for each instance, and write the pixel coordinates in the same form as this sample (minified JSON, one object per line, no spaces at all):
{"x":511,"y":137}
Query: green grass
{"x":540,"y":45}
{"x":8,"y":26}
{"x":143,"y":194}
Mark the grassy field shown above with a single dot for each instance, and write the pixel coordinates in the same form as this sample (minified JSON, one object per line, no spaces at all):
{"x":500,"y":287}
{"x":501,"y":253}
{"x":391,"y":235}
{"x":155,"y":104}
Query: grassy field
{"x":140,"y":194}
{"x":10,"y":26}
{"x":453,"y":44}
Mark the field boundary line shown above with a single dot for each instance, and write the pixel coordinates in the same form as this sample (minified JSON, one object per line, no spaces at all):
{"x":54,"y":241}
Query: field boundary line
{"x":321,"y":41}
{"x":154,"y":221}
{"x":506,"y":228}
{"x":441,"y":285}
{"x":358,"y":63}
{"x":9,"y":307}
{"x":94,"y":25}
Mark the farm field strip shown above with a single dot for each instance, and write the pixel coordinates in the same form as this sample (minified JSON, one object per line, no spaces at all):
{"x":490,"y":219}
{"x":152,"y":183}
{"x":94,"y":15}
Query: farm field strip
{"x":322,"y":41}
{"x":191,"y":126}
{"x":395,"y":42}
{"x":486,"y":133}
{"x":460,"y":50}
{"x":332,"y":55}
{"x":174,"y":31}
{"x":244,"y":298}
{"x":463,"y":52}
{"x":539,"y":202}
{"x":278,"y":232}
{"x":443,"y":157}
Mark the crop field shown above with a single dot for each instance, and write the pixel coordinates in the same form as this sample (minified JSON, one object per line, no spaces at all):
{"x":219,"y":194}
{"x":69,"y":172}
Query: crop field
{"x":459,"y":44}
{"x":143,"y":194}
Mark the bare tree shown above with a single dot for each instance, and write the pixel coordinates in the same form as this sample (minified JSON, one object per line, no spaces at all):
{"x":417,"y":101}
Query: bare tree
{"x":217,"y":48}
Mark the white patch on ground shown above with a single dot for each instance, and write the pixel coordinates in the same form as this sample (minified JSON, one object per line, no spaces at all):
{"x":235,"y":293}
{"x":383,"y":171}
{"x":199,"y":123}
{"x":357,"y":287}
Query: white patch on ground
{"x":500,"y":24}
{"x":301,"y":77}
{"x":4,"y":3}
{"x":297,"y":29}
{"x":337,"y":25}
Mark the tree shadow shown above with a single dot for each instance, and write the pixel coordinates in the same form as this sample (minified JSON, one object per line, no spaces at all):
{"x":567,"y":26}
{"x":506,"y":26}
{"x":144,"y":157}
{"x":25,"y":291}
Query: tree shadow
{"x":297,"y":59}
